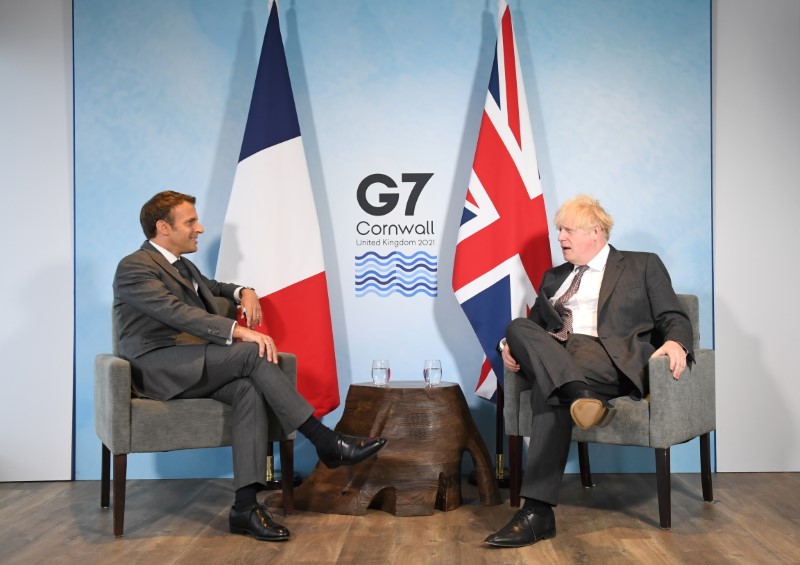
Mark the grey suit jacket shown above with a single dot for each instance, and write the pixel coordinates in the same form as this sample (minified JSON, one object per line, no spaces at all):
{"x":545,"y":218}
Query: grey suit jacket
{"x":637,"y":310}
{"x":162,"y":325}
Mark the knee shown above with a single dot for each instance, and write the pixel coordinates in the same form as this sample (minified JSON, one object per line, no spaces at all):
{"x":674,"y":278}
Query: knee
{"x":517,"y":327}
{"x":249,"y":357}
{"x":245,"y":391}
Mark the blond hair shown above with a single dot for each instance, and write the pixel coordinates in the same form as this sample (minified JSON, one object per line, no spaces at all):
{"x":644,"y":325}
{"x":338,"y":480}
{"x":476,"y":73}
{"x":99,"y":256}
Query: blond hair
{"x":584,"y":212}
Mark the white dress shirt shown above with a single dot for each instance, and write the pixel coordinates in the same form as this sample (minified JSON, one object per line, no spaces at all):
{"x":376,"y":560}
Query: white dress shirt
{"x":584,"y":302}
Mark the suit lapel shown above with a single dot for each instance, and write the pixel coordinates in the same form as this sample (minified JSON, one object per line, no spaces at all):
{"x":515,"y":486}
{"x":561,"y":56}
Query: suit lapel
{"x":615,"y":264}
{"x":162,"y":262}
{"x":558,"y":276}
{"x":551,"y":282}
{"x":202,"y":289}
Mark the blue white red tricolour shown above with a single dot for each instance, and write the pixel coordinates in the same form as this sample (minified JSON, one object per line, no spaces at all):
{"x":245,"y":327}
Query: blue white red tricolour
{"x":271,"y":238}
{"x":503,"y":246}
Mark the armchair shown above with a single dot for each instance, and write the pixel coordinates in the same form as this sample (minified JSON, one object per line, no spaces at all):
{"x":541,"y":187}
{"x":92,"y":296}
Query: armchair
{"x":674,"y":412}
{"x":127,"y":424}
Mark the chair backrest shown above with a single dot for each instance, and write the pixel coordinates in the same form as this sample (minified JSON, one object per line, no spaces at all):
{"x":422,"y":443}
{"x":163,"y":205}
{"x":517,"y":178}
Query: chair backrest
{"x":114,"y":333}
{"x":691,"y":305}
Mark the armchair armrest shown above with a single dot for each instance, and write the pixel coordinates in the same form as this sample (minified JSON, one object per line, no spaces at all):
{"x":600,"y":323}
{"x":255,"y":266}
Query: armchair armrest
{"x":112,"y":402}
{"x":516,"y":408}
{"x":683,"y":409}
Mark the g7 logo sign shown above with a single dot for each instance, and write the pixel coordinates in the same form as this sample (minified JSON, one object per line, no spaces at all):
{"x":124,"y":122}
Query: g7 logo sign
{"x":389,"y":200}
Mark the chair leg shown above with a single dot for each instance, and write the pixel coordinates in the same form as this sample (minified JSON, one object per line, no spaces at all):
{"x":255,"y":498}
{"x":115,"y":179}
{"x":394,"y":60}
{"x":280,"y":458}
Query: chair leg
{"x":105,"y":476}
{"x":583,"y":462}
{"x":120,"y":475}
{"x":287,"y":475}
{"x":663,"y":485}
{"x":514,"y":469}
{"x":705,"y":467}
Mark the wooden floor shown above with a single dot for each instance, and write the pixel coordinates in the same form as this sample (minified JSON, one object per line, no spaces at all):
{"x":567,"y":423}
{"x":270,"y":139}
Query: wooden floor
{"x":755,"y":519}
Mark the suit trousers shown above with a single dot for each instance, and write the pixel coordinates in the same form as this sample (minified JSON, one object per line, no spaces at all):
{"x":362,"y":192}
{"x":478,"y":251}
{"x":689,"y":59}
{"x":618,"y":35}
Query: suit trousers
{"x":548,"y":365}
{"x":236,"y":375}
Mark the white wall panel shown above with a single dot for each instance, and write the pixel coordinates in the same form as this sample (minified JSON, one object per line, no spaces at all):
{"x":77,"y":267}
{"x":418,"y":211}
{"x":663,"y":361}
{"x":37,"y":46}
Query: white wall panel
{"x":756,"y":202}
{"x":36,"y":340}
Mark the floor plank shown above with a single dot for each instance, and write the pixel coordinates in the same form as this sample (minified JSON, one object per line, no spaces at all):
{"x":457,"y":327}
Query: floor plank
{"x":754,"y":519}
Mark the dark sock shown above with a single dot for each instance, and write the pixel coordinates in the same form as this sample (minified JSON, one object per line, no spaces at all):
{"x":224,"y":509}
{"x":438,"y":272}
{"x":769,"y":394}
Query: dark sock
{"x":246,"y":497}
{"x":536,"y":504}
{"x":320,"y":436}
{"x":573,"y":390}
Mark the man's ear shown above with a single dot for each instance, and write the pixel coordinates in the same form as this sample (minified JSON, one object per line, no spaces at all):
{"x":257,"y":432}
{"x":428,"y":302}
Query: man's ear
{"x":163,"y":227}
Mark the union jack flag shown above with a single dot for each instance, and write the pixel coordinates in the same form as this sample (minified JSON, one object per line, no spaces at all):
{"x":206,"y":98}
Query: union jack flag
{"x":503,"y":245}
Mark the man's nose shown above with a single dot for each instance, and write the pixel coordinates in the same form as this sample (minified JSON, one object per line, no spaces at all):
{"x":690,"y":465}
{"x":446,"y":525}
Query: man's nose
{"x":200,"y":228}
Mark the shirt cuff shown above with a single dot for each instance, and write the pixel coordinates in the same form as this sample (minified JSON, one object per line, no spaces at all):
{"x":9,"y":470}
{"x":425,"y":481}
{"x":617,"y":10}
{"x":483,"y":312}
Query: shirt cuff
{"x":230,"y":336}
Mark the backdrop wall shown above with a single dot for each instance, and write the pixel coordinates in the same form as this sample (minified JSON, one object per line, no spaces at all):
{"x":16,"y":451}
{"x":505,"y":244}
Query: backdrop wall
{"x":619,"y":96}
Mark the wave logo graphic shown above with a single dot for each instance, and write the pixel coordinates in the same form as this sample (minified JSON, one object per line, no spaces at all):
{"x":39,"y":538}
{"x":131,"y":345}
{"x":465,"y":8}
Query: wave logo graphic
{"x":397,"y":273}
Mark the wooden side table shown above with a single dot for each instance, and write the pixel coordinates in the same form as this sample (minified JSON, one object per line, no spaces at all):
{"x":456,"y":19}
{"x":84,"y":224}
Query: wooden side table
{"x":428,"y":430}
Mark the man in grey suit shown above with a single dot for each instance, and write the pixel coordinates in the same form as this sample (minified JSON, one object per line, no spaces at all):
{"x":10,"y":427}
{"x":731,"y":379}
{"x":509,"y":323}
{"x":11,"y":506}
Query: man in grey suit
{"x":180,"y":346}
{"x":597,"y":320}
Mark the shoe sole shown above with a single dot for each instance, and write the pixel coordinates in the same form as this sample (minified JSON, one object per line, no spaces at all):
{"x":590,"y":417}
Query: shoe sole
{"x":590,"y":412}
{"x":243,"y":532}
{"x":547,"y":535}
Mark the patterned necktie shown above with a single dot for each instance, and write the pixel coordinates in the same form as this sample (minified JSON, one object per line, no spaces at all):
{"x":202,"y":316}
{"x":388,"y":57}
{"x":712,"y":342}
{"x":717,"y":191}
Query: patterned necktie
{"x":563,"y":311}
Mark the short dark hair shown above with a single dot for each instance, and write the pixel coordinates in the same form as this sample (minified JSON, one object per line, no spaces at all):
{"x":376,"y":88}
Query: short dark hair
{"x":160,"y":207}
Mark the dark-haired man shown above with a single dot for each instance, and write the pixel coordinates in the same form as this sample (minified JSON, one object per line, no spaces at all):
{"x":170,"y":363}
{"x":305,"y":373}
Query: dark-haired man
{"x":180,"y":346}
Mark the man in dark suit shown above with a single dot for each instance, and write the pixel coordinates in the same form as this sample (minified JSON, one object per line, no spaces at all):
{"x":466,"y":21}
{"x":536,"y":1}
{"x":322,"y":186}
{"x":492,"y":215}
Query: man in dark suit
{"x":180,"y":346}
{"x":597,"y":320}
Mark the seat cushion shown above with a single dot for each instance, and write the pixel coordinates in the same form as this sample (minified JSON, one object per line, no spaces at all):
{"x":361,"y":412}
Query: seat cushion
{"x":157,"y":425}
{"x":630,"y":426}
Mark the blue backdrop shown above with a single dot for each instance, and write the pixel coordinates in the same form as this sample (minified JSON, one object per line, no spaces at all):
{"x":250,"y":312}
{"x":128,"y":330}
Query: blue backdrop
{"x":620,"y":101}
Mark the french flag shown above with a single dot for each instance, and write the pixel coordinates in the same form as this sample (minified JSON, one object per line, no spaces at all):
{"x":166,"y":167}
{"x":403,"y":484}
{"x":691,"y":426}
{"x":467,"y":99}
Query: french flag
{"x":271,"y":238}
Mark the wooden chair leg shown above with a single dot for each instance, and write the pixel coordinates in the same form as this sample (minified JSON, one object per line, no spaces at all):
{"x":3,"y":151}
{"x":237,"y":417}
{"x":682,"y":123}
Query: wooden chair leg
{"x":287,"y":475}
{"x":663,"y":485}
{"x":514,"y":469}
{"x":120,"y":475}
{"x":105,"y":476}
{"x":583,"y":462}
{"x":705,"y":467}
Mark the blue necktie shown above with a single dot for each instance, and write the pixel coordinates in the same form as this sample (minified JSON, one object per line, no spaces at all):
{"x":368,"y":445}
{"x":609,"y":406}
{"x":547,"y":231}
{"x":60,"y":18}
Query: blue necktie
{"x":184,"y":271}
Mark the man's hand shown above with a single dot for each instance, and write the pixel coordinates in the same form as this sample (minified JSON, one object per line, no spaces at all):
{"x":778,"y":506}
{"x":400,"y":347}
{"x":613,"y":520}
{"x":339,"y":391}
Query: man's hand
{"x":509,"y":362}
{"x":251,"y":307}
{"x":266,"y":346}
{"x":677,"y":357}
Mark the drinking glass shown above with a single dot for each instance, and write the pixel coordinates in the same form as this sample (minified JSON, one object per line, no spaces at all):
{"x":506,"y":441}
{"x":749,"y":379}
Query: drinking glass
{"x":432,"y":371}
{"x":381,"y":373}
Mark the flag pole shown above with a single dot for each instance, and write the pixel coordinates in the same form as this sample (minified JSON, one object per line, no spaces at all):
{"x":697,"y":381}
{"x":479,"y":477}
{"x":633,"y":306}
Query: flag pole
{"x":500,"y":432}
{"x":500,"y":471}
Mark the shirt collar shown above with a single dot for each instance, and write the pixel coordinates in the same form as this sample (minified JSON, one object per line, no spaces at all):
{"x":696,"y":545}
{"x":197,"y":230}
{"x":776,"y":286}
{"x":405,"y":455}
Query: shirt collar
{"x":167,"y":254}
{"x":598,"y":262}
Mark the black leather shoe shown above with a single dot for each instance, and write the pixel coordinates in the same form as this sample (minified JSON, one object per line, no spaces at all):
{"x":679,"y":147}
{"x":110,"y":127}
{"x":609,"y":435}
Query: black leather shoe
{"x":588,"y":412}
{"x":350,"y":450}
{"x":257,"y":521}
{"x":525,"y":528}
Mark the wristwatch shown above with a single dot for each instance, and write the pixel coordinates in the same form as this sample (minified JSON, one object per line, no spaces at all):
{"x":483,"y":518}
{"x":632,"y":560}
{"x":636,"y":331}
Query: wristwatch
{"x":501,"y":346}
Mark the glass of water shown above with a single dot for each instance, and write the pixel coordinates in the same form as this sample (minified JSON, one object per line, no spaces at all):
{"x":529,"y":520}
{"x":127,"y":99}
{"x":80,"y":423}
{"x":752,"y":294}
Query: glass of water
{"x":432,"y":371}
{"x":381,"y":373}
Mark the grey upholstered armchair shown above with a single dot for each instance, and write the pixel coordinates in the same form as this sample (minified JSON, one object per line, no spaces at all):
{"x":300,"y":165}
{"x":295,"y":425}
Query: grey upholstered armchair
{"x":127,"y":424}
{"x":674,"y":412}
